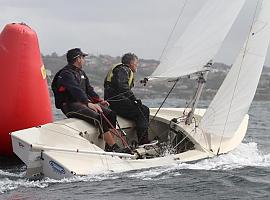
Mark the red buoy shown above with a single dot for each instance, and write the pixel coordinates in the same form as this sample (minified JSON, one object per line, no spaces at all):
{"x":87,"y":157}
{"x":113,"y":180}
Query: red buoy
{"x":24,"y":95}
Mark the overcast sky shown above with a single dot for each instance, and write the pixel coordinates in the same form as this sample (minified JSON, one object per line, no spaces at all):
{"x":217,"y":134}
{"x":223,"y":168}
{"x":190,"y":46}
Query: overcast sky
{"x":114,"y":27}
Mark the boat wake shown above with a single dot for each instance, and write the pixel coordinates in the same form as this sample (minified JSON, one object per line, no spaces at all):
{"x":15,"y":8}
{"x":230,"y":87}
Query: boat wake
{"x":246,"y":155}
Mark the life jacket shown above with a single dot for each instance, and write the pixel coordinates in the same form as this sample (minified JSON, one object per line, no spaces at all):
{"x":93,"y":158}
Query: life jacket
{"x":58,"y":92}
{"x":110,"y":75}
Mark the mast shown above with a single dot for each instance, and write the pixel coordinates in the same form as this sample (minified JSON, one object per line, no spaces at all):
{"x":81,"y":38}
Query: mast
{"x":201,"y":82}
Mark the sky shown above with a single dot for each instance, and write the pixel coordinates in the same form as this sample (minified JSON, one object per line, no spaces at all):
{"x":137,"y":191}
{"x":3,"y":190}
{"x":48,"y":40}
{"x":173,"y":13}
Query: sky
{"x":115,"y":27}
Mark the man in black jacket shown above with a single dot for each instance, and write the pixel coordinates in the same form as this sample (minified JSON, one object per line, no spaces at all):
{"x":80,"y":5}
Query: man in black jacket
{"x":118,"y":84}
{"x":76,"y":97}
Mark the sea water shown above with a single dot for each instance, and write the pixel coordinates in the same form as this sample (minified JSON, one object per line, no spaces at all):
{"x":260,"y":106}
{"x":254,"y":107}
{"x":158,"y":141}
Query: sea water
{"x":243,"y":173}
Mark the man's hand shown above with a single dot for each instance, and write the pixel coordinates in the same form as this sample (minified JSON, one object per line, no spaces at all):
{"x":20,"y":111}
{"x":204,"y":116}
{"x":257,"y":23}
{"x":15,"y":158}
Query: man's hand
{"x":95,"y":107}
{"x":98,"y":108}
{"x":104,"y":103}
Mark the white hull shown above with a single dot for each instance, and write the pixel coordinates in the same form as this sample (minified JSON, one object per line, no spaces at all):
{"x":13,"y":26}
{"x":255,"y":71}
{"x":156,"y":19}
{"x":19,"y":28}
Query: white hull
{"x":73,"y":147}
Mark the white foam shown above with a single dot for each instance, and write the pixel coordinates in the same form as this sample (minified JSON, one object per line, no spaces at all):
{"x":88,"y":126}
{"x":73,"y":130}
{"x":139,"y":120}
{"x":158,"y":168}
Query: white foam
{"x":7,"y":184}
{"x":153,"y":173}
{"x":88,"y":178}
{"x":247,"y":154}
{"x":10,"y":174}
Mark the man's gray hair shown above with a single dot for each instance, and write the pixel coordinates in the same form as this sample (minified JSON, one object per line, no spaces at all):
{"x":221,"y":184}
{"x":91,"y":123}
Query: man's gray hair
{"x":128,"y":57}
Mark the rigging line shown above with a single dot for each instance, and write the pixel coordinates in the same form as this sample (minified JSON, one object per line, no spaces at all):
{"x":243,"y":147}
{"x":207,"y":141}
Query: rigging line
{"x":102,"y":158}
{"x":186,"y":136}
{"x":109,"y":123}
{"x":174,"y":148}
{"x":86,"y":116}
{"x":190,"y":102}
{"x":169,"y":38}
{"x":204,"y":148}
{"x":120,"y":129}
{"x":238,"y":75}
{"x":176,"y":81}
{"x":67,"y":126}
{"x":116,"y":95}
{"x":77,"y":112}
{"x":58,"y":132}
{"x":124,"y":142}
{"x":123,"y":98}
{"x":207,"y":142}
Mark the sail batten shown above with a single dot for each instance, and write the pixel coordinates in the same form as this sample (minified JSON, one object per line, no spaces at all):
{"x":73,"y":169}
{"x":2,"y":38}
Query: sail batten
{"x":201,"y":40}
{"x":236,"y":93}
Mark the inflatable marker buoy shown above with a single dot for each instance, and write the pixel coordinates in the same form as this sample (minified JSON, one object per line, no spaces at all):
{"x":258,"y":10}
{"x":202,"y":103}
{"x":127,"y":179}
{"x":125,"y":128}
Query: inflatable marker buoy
{"x":25,"y":100}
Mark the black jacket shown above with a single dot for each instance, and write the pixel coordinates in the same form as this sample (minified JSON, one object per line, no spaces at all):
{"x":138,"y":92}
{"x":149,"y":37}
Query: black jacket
{"x":71,"y":84}
{"x":119,"y":87}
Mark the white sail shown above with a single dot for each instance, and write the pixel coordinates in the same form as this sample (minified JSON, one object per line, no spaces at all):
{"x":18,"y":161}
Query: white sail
{"x":201,"y":40}
{"x":235,"y":95}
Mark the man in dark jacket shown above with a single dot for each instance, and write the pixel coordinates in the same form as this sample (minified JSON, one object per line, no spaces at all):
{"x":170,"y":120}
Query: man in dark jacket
{"x":117,"y":92}
{"x":76,"y":97}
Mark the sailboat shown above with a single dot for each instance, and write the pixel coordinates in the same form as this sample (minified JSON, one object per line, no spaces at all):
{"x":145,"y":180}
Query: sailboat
{"x":71,"y":147}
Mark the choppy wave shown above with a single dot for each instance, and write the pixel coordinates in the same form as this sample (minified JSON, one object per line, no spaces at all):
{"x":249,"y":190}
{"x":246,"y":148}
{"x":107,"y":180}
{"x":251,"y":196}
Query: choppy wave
{"x":246,"y":155}
{"x":7,"y":184}
{"x":11,"y":174}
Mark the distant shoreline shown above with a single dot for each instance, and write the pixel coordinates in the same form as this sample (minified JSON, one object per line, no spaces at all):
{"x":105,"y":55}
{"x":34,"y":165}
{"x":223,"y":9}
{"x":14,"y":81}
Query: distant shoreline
{"x":98,"y":66}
